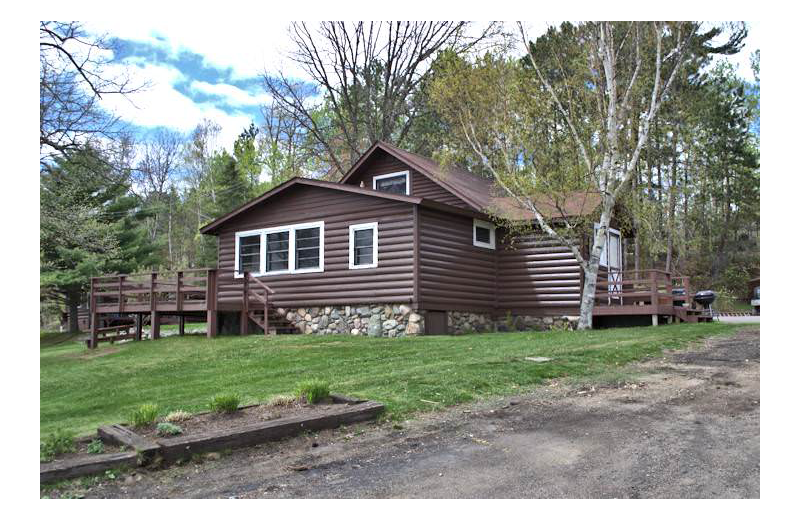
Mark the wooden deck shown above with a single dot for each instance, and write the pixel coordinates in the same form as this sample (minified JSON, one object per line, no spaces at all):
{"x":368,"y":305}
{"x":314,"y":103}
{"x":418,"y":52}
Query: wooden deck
{"x":120,"y":305}
{"x":647,"y":292}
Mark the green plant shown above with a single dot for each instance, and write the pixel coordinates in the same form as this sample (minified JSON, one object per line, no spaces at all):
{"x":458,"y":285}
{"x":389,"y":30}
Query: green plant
{"x":166,"y":429}
{"x":227,"y":403}
{"x":509,"y":321}
{"x":178,"y":416}
{"x":96,"y":446}
{"x":560,"y":326}
{"x":313,"y":390}
{"x":144,"y":415}
{"x":56,"y":443}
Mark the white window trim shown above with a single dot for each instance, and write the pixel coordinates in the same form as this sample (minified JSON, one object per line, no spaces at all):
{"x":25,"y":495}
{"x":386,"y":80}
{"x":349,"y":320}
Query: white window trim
{"x":604,"y":253}
{"x":291,"y":229}
{"x":389,"y":175}
{"x":357,"y":227}
{"x":492,"y":229}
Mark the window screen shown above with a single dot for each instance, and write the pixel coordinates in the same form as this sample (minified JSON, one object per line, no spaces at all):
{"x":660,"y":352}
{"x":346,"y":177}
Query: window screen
{"x":250,"y":254}
{"x":362,"y":246}
{"x":483,"y":234}
{"x":278,"y":251}
{"x":395,"y":184}
{"x":306,"y":248}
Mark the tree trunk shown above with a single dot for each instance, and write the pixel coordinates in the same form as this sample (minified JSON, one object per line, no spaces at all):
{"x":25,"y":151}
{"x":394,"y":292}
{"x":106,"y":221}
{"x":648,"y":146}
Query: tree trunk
{"x":590,"y":270}
{"x":73,"y":301}
{"x":672,"y":204}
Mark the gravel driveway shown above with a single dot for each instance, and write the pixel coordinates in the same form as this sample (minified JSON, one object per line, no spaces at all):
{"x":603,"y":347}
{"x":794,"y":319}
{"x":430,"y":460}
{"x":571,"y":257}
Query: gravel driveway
{"x":682,"y":426}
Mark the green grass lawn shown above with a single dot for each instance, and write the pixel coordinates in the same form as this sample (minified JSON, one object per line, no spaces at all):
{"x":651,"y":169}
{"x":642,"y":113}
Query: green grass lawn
{"x":80,"y":390}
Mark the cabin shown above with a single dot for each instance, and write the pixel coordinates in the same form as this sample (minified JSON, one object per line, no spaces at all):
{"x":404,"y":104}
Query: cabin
{"x":400,"y":246}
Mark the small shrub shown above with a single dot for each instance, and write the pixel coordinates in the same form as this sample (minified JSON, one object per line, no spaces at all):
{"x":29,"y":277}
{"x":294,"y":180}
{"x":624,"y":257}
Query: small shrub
{"x":167,"y":429}
{"x":227,"y":403}
{"x":144,"y":415}
{"x":55,"y":444}
{"x":96,"y":446}
{"x":281,"y":400}
{"x":177,"y":416}
{"x":560,"y":326}
{"x":313,"y":390}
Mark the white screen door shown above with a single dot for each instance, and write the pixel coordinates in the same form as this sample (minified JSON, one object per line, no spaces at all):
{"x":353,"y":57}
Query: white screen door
{"x":611,"y":258}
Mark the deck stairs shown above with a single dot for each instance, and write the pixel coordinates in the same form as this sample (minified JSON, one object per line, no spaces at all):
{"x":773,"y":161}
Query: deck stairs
{"x":277,"y":323}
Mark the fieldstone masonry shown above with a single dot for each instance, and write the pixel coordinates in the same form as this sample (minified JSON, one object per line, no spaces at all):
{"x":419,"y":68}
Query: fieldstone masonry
{"x":383,"y":320}
{"x":376,"y":320}
{"x":469,"y":322}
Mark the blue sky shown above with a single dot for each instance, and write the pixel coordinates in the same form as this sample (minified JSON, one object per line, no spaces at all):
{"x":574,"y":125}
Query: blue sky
{"x":213,"y":70}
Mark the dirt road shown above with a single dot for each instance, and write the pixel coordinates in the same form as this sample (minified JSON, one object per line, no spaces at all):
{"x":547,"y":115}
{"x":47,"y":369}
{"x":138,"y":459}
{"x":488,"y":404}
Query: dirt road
{"x":683,"y":426}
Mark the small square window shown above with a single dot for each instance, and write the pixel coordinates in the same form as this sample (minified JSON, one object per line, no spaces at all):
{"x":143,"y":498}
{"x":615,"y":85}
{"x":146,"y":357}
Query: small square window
{"x":483,"y":234}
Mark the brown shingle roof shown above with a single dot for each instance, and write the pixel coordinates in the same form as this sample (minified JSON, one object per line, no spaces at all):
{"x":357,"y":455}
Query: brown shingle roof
{"x":480,"y":193}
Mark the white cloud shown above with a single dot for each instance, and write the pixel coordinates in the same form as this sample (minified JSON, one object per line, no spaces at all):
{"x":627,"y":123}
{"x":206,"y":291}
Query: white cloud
{"x":161,"y":104}
{"x":247,"y":48}
{"x":231,"y":94}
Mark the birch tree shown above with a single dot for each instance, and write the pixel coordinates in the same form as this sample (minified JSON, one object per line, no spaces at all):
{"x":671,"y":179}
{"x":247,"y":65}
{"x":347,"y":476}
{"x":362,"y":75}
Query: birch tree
{"x":574,"y":118}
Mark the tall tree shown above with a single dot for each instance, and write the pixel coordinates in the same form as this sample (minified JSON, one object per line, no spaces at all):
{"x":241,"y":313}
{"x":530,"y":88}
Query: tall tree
{"x":74,"y":75}
{"x":578,"y":122}
{"x":365,"y":72}
{"x":89,"y":225}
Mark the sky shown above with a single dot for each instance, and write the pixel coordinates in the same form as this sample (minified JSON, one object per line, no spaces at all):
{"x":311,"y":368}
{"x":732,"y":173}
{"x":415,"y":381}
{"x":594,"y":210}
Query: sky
{"x":197,"y":71}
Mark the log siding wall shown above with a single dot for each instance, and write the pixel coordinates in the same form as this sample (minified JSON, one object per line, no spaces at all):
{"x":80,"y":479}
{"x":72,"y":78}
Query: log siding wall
{"x":537,"y":276}
{"x":454,"y":273}
{"x":391,"y":282}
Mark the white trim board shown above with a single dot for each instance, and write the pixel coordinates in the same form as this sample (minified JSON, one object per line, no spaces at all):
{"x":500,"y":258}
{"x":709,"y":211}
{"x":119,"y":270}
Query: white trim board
{"x":351,"y":247}
{"x":291,"y":228}
{"x":390,"y":175}
{"x":476,"y":223}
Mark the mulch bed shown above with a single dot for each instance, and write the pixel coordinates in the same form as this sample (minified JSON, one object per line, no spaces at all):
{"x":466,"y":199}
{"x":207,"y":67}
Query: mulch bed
{"x":207,"y":422}
{"x":80,"y":453}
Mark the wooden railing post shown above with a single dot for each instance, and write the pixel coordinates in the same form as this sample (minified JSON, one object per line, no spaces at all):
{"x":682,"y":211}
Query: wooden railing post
{"x":92,"y":316}
{"x":211,"y":303}
{"x":155,"y":318}
{"x":178,"y":297}
{"x":654,"y":297}
{"x":266,"y":312}
{"x":243,"y":320}
{"x":119,"y":292}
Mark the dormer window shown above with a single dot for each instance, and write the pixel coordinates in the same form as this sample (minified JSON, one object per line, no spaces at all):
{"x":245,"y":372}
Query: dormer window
{"x":397,"y":183}
{"x":483,"y":234}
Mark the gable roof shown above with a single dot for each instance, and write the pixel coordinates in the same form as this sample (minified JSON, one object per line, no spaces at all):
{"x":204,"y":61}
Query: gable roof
{"x":212,"y":226}
{"x":479,"y":192}
{"x":472,"y":189}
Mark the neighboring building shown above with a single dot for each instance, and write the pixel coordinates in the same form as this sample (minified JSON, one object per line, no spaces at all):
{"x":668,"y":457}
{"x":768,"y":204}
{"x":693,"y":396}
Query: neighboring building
{"x":754,"y":286}
{"x":400,"y":234}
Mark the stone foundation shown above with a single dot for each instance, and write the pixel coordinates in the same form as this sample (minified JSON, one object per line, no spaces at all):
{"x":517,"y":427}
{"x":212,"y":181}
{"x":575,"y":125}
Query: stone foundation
{"x":376,"y":320}
{"x":469,"y":322}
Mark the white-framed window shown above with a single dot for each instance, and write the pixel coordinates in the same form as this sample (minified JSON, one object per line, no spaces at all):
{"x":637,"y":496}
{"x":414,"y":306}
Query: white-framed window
{"x":364,"y":245}
{"x":612,"y":252}
{"x":296,"y":248}
{"x":398,"y":182}
{"x":483,"y":234}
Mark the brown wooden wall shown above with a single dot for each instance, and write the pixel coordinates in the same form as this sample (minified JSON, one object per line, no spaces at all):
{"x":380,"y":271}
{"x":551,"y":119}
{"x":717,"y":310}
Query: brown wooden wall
{"x":421,"y":186}
{"x":537,"y":276}
{"x":391,"y":281}
{"x":454,"y":273}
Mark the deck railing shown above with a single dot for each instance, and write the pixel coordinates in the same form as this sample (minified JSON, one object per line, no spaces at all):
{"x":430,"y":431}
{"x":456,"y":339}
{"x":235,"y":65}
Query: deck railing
{"x":642,"y":287}
{"x":176,"y":291}
{"x":252,"y":287}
